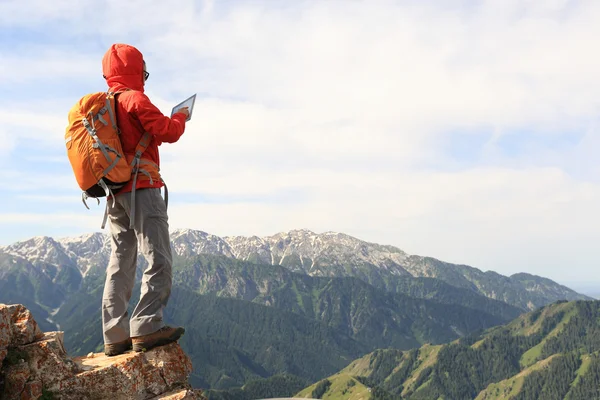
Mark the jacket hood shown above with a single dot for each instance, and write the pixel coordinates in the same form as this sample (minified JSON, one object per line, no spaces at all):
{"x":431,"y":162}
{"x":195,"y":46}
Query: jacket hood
{"x":123,"y":67}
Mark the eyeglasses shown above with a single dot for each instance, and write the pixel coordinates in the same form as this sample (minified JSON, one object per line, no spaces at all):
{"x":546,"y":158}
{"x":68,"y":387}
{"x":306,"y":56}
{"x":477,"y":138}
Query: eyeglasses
{"x":146,"y":75}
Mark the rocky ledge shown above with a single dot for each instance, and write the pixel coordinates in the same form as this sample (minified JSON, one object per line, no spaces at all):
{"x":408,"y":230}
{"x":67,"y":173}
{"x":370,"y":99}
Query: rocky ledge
{"x":35,"y":365}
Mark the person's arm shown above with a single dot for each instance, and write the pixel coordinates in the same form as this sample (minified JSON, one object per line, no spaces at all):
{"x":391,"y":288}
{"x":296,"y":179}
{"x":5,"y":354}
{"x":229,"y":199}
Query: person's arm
{"x":163,"y":128}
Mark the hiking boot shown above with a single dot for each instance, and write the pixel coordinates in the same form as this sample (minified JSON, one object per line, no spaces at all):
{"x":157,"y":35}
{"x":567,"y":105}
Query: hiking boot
{"x":164,"y":335}
{"x":114,"y":349}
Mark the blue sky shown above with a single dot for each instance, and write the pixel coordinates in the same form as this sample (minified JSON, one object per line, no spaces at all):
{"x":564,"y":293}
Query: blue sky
{"x":467,"y":132}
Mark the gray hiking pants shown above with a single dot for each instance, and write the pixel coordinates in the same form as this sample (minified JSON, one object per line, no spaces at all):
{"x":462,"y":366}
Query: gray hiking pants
{"x":151,"y":234}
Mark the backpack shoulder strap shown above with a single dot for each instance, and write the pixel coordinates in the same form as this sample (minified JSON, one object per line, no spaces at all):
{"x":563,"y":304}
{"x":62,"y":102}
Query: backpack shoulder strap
{"x":111,"y":105}
{"x":141,"y":148}
{"x":135,"y":164}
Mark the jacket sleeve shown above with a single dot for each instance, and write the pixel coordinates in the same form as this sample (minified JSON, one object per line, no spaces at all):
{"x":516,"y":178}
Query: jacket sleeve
{"x":163,"y":128}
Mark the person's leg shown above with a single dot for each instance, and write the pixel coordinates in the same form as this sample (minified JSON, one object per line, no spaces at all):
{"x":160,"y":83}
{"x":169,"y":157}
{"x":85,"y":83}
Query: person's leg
{"x":152,"y":229}
{"x":120,"y":278}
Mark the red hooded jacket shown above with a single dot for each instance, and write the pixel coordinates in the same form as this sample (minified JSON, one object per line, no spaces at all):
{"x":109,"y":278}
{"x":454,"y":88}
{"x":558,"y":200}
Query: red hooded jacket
{"x":123,"y":68}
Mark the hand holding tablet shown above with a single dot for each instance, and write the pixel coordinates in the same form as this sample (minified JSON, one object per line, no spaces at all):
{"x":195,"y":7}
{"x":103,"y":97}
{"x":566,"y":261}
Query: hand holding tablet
{"x":184,"y":110}
{"x":189,"y":103}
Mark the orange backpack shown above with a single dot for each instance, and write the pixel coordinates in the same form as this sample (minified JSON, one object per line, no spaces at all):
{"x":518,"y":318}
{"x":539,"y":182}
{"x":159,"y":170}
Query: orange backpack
{"x":94,"y":148}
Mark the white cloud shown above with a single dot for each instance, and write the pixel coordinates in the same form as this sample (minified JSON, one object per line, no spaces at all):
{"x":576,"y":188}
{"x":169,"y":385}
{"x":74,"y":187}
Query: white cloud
{"x":35,"y":64}
{"x":346,"y":103}
{"x":55,"y":220}
{"x":496,"y":219}
{"x":40,"y":126}
{"x":39,"y":180}
{"x":472,"y":68}
{"x":7,"y":142}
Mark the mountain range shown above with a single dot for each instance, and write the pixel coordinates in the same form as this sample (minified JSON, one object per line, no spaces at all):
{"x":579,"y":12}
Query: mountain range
{"x":550,"y":353}
{"x":302,"y":251}
{"x":253,"y":307}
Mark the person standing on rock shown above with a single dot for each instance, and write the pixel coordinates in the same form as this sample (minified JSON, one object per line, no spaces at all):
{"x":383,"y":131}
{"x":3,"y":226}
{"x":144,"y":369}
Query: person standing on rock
{"x":139,"y":220}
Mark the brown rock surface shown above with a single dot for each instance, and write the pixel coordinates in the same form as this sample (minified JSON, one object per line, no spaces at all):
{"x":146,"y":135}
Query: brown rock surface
{"x":32,"y":390}
{"x":184,"y":394}
{"x":18,"y":377}
{"x":36,"y":363}
{"x":17,"y":327}
{"x":128,"y":376}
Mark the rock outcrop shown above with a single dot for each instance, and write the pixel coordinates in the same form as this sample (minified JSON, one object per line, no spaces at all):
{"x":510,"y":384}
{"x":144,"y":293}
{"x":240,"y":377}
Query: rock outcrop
{"x":36,"y":365}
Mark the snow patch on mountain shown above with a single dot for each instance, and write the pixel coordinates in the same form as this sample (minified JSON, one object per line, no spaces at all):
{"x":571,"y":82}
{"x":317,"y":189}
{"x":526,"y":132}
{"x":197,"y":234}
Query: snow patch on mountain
{"x":301,"y":251}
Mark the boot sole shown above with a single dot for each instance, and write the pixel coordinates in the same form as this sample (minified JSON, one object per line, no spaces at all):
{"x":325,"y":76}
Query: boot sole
{"x":141,"y":347}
